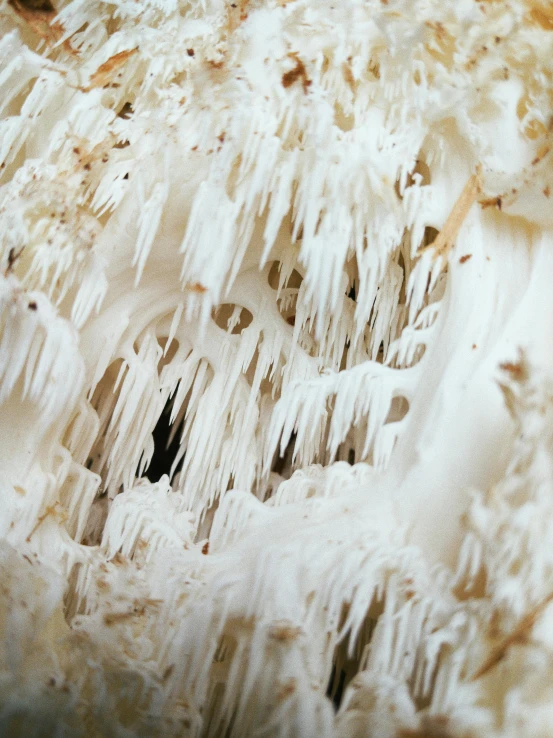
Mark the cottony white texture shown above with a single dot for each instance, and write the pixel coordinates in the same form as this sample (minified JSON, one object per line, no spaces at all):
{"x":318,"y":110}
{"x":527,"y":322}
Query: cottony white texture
{"x":316,"y":238}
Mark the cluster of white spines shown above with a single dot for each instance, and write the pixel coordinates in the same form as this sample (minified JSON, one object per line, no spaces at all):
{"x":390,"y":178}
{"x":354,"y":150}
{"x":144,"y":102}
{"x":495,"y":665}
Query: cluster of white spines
{"x":225,"y":211}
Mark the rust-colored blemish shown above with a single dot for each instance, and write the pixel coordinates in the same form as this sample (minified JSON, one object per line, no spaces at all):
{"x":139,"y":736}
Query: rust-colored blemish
{"x":465,"y":258}
{"x":117,"y":617}
{"x":374,"y":68}
{"x":518,"y":370}
{"x":196,"y":287}
{"x":205,"y":548}
{"x":237,"y":13}
{"x":105,"y":71}
{"x":541,"y":154}
{"x":286,"y":690}
{"x":348,"y":76}
{"x":491,"y":202}
{"x":284,"y":632}
{"x":297,"y":73}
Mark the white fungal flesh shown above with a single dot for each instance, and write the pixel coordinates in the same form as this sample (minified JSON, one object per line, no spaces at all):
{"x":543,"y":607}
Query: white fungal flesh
{"x":319,"y":235}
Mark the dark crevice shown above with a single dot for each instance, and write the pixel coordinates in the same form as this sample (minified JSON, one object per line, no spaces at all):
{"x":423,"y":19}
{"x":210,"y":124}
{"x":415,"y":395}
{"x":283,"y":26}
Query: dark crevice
{"x":283,"y":464}
{"x":335,"y":689}
{"x":164,"y":452}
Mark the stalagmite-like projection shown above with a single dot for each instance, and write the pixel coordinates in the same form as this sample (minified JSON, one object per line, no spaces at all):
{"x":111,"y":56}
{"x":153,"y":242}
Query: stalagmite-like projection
{"x":276,"y":368}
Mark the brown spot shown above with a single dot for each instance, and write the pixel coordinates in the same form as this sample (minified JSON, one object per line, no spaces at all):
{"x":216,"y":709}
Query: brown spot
{"x":491,"y":202}
{"x":190,"y":52}
{"x":286,"y":690}
{"x":474,"y":346}
{"x":517,"y":370}
{"x":116,"y":617}
{"x":284,"y":632}
{"x":168,"y":671}
{"x":464,"y":258}
{"x":295,"y":74}
{"x":374,"y":68}
{"x":105,"y":71}
{"x":76,"y":150}
{"x":348,"y":76}
{"x":87,"y":166}
{"x":13,"y":256}
{"x":547,"y":191}
{"x":196,"y":287}
{"x":205,"y":548}
{"x":541,"y":154}
{"x":32,"y":305}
